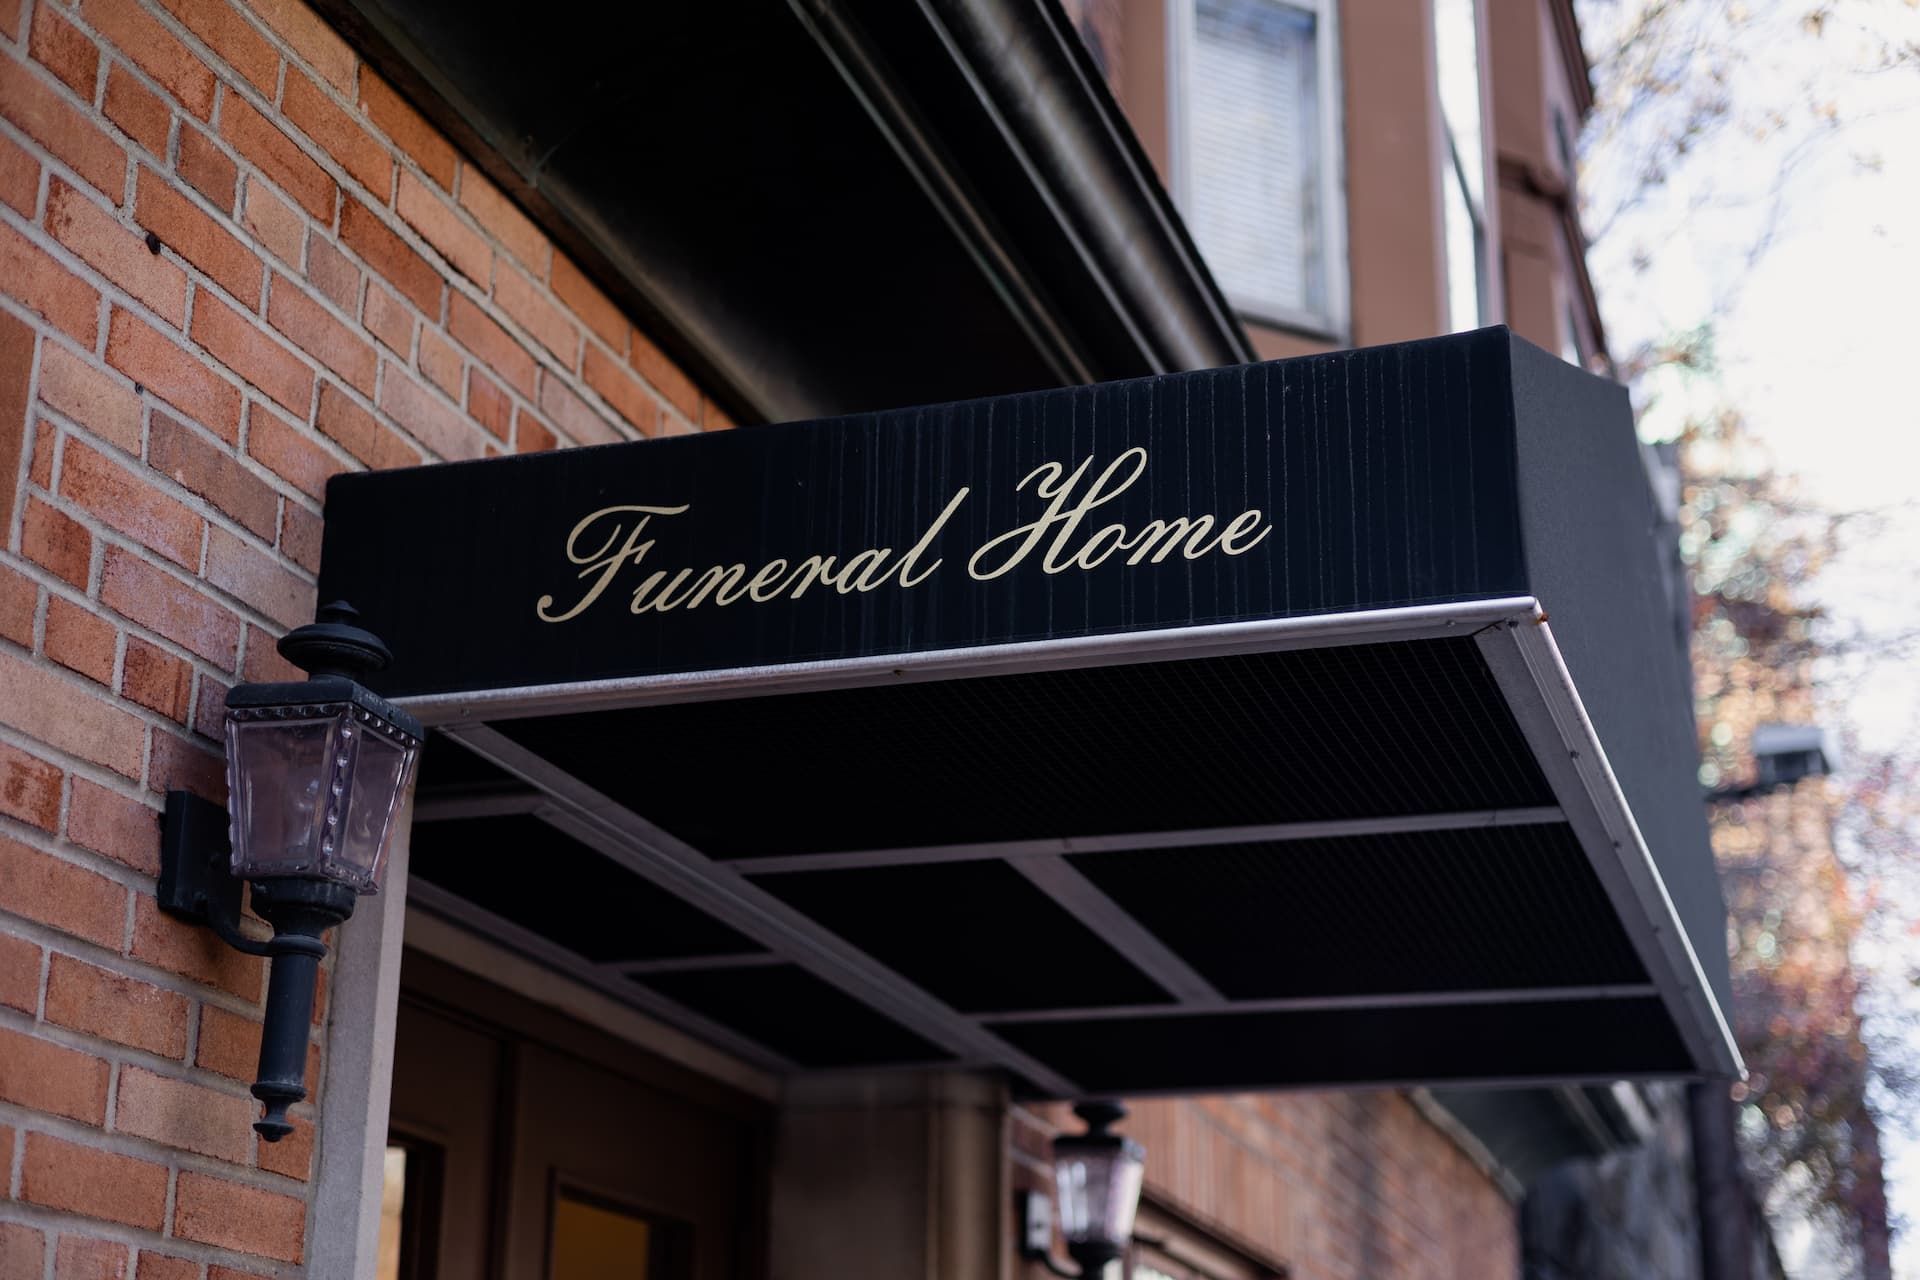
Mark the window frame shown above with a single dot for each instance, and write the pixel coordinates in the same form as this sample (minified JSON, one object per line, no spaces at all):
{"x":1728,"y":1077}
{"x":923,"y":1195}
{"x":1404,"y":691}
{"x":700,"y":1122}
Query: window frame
{"x":1335,"y":323}
{"x":1454,"y":175}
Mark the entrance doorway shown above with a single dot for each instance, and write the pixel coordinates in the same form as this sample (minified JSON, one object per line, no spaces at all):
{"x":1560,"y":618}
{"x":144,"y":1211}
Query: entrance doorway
{"x":525,"y":1145}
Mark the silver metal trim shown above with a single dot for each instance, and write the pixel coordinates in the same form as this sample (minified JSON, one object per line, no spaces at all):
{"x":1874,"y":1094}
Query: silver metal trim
{"x":1193,"y":838}
{"x":1111,"y":649}
{"x":1524,"y":659}
{"x":1326,"y":1004}
{"x":504,"y":933}
{"x":1135,"y":943}
{"x":496,"y":804}
{"x":633,"y":842}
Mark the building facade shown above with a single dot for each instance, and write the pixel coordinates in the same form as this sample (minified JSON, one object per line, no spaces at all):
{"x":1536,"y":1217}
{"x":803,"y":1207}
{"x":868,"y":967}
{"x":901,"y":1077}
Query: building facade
{"x":249,"y":245}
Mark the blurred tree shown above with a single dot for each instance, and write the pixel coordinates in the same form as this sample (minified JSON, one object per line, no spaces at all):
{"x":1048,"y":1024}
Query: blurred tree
{"x":1705,"y":111}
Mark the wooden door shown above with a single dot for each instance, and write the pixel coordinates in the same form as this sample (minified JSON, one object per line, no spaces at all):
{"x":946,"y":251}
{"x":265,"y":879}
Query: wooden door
{"x":526,"y":1146}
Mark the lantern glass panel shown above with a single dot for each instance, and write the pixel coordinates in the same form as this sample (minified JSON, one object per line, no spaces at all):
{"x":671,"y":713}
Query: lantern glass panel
{"x":1099,"y":1188}
{"x":382,"y":779}
{"x":280,"y":768}
{"x":314,"y":790}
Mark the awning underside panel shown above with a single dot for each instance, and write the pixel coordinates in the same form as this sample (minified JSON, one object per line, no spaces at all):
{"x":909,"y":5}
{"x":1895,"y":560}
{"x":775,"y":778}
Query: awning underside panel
{"x":1282,"y":867}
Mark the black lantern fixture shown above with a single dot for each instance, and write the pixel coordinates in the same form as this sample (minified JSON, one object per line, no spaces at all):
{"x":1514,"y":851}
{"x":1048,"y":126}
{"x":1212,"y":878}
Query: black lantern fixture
{"x":318,"y":772}
{"x":1097,"y":1178}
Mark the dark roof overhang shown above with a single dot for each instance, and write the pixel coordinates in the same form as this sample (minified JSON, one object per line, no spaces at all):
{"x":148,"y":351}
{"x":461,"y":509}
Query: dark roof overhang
{"x":827,"y":206}
{"x":1320,"y":796}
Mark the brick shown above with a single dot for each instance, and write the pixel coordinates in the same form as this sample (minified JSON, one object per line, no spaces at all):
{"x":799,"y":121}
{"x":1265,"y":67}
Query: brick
{"x":362,"y":231}
{"x":121,"y":500}
{"x":653,"y":365}
{"x":67,"y":716}
{"x":65,"y":50}
{"x":162,"y":603}
{"x":93,"y":1183}
{"x":100,"y":240}
{"x":263,"y":661}
{"x":274,"y":222}
{"x":488,"y":405}
{"x":107,"y":822}
{"x":360,"y":433}
{"x":232,"y":38}
{"x":162,"y":1266}
{"x":279,"y":157}
{"x":288,"y":453}
{"x":176,"y":1113}
{"x":572,"y":287}
{"x":210,"y":709}
{"x":503,"y":220}
{"x":19,"y":989}
{"x":23,"y":1252}
{"x":174,"y":374}
{"x":99,"y":1002}
{"x":56,"y":541}
{"x":442,"y":227}
{"x":193,"y":952}
{"x":312,"y":39}
{"x":571,"y":414}
{"x":29,"y":788}
{"x":364,"y":157}
{"x":333,"y":273}
{"x":530,"y":435}
{"x":17,"y":342}
{"x":440,"y":361}
{"x":142,"y":114}
{"x":229,"y":1044}
{"x":19,"y":597}
{"x":29,"y":275}
{"x":197,"y":237}
{"x":62,"y":894}
{"x":309,"y":326}
{"x":43,"y":114}
{"x":443,"y":429}
{"x":80,"y":641}
{"x":152,"y":48}
{"x":408,"y":129}
{"x":202,"y":468}
{"x":621,"y":389}
{"x":180,"y":764}
{"x":300,"y":536}
{"x":292,"y":1156}
{"x":254,"y":577}
{"x":233,"y":1216}
{"x":79,"y":1258}
{"x":388,"y":319}
{"x":90,"y":396}
{"x":156,"y":679}
{"x":492,"y":345}
{"x":239,"y":343}
{"x":208,"y":169}
{"x":52,"y":1078}
{"x":555,"y":330}
{"x":19,"y":178}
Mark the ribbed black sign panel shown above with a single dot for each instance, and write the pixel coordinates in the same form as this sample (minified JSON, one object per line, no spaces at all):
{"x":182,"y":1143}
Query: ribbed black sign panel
{"x":1360,"y":480}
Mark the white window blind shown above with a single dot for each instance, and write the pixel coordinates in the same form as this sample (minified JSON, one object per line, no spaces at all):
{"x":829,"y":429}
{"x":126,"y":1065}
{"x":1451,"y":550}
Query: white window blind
{"x":1252,"y":154}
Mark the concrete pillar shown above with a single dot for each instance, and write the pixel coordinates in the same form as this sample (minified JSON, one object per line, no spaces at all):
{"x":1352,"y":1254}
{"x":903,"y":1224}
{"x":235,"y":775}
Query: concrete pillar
{"x":902,"y":1175}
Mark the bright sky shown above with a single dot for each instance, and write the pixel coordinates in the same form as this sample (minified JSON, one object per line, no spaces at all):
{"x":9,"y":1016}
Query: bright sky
{"x":1818,"y":343}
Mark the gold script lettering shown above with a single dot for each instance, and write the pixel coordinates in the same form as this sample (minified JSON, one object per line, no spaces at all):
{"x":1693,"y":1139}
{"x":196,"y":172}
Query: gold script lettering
{"x":599,"y":562}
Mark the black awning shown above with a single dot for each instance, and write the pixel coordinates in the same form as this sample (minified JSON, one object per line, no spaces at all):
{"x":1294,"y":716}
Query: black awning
{"x":1311,"y":723}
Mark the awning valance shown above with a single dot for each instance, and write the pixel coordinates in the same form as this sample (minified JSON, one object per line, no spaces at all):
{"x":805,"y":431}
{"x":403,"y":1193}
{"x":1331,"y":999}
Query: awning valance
{"x":1197,"y":732}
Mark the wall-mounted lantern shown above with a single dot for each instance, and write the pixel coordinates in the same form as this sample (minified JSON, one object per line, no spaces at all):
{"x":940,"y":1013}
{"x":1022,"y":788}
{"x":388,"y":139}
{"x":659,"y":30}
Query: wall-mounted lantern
{"x":1097,"y":1178}
{"x":318,"y":771}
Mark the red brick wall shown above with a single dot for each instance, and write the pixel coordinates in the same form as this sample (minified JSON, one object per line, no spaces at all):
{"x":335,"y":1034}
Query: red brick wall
{"x":1354,"y":1186}
{"x":232,"y":263}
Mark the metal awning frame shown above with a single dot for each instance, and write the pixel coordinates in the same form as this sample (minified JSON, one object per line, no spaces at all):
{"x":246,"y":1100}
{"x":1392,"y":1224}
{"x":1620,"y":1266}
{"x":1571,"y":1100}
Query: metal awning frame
{"x":1512,"y":635}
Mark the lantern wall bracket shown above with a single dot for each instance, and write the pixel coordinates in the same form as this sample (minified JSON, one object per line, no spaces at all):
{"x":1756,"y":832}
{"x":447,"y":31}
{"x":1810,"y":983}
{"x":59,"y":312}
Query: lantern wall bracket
{"x":196,"y":884}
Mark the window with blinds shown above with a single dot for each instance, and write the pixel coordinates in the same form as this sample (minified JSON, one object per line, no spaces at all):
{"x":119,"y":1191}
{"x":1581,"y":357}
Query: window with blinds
{"x":1249,"y":165}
